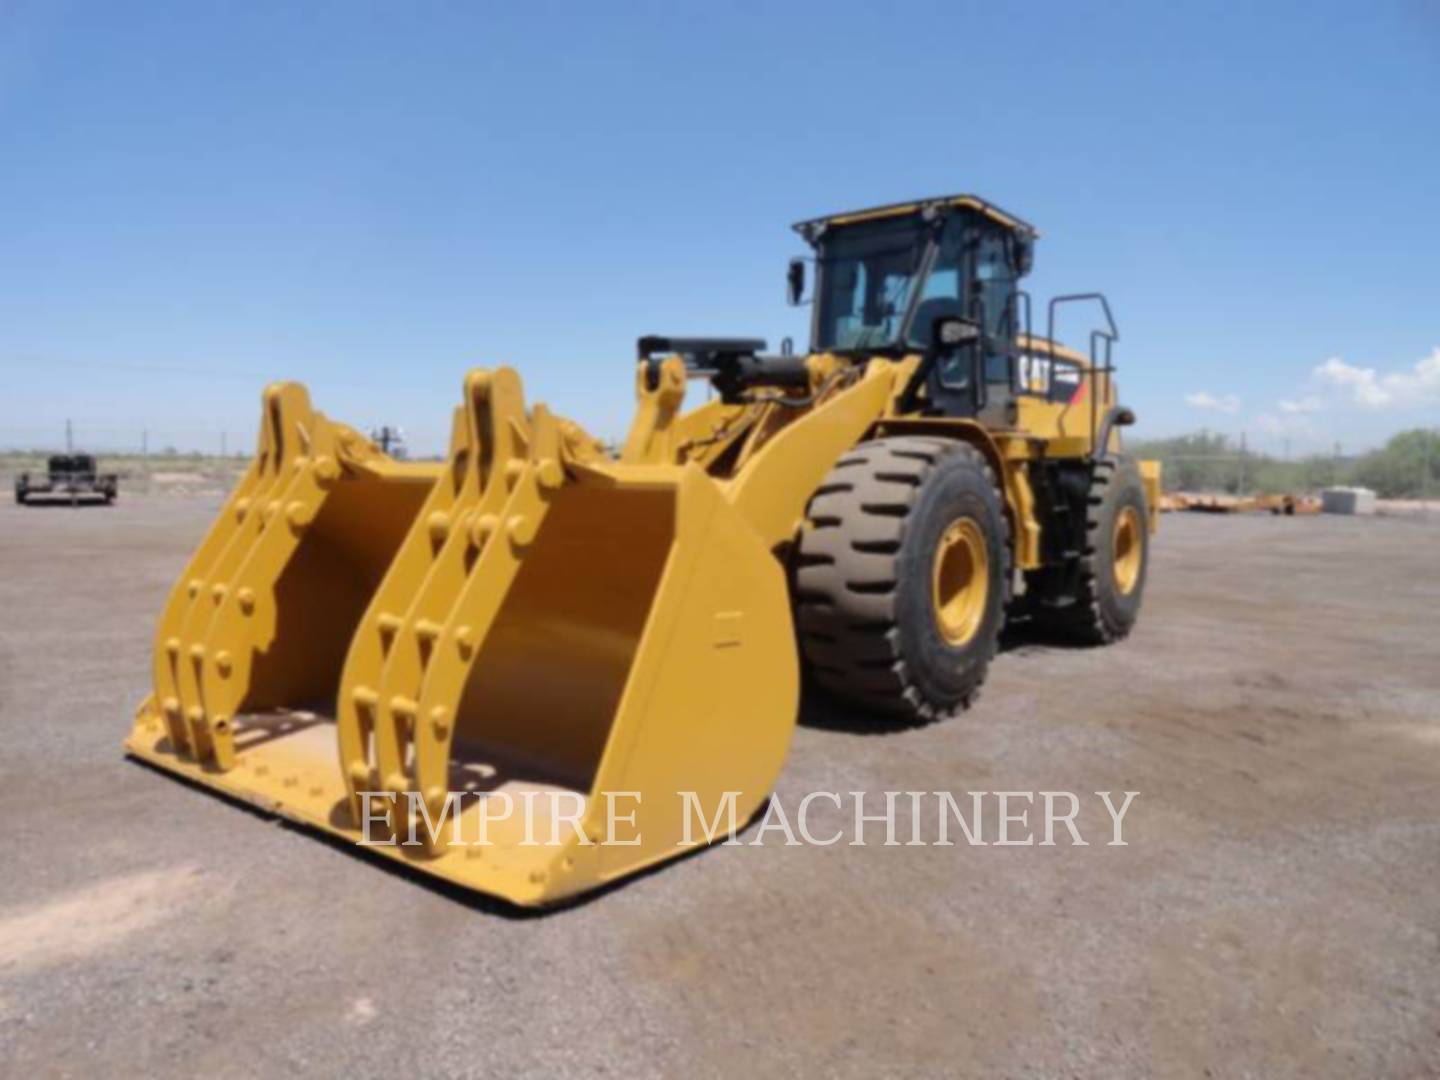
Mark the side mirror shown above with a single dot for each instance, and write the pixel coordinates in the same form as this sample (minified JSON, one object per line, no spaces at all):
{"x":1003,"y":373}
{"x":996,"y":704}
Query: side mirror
{"x":951,"y":331}
{"x":795,"y":282}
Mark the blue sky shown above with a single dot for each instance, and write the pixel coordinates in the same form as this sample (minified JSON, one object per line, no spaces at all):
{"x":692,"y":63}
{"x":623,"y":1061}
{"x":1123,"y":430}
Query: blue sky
{"x":373,"y":197}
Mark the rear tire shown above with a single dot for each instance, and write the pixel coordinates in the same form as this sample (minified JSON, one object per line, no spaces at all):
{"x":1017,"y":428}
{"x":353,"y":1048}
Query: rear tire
{"x":1115,"y":559}
{"x":900,"y":577}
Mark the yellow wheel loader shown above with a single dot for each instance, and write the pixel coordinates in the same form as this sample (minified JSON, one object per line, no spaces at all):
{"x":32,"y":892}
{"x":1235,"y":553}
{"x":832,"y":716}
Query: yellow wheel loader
{"x":537,"y":667}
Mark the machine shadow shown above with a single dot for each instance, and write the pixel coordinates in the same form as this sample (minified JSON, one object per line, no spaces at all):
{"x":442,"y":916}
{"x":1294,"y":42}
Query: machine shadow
{"x":33,"y":503}
{"x":482,"y":903}
{"x":1022,"y":636}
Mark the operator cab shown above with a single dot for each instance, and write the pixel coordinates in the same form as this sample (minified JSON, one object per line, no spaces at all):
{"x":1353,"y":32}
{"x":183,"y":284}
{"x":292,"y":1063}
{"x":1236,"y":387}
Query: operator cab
{"x":72,"y":465}
{"x":888,"y":279}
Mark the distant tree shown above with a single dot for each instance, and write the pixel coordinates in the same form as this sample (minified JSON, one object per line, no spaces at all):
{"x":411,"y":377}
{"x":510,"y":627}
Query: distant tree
{"x":1408,"y":466}
{"x":1320,"y":471}
{"x":1207,"y":462}
{"x":1203,"y":461}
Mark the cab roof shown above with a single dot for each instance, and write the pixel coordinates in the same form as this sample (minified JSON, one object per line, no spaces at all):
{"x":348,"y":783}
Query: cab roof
{"x":901,"y":209}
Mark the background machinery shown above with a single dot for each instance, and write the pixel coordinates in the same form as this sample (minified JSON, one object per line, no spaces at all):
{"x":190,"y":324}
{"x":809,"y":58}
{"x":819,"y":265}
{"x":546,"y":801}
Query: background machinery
{"x":73,"y":478}
{"x":405,"y":650}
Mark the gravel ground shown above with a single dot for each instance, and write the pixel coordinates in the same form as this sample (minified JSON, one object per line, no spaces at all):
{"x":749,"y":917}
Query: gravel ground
{"x":1275,"y":913}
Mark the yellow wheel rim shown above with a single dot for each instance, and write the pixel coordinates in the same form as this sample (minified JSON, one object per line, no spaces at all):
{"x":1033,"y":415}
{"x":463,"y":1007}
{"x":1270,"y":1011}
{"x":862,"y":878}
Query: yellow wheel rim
{"x":1127,"y":550}
{"x":960,"y":583}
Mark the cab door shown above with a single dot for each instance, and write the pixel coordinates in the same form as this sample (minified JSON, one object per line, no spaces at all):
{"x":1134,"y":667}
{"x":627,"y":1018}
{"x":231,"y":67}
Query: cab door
{"x":974,"y":277}
{"x":993,"y":284}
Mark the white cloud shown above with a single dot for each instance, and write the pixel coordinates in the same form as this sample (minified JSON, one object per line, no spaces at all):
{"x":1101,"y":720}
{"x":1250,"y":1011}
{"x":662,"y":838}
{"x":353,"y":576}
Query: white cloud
{"x":1418,"y":385}
{"x":1422,"y":381}
{"x":1360,"y":381}
{"x":1308,"y":404}
{"x":1202,"y":400}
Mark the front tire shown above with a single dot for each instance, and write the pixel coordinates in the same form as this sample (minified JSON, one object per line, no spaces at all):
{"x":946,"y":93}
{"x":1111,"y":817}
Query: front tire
{"x":900,"y":577}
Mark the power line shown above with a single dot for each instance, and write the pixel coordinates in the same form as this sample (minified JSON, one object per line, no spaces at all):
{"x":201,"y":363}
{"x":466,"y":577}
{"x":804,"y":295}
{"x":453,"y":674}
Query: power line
{"x":182,"y":369}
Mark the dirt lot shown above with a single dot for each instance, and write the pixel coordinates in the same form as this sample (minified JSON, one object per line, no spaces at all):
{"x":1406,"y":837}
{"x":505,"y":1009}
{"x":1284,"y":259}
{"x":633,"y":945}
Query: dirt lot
{"x":1276,"y":911}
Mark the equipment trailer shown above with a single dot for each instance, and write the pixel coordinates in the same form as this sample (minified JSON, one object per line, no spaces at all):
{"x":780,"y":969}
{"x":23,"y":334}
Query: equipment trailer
{"x":69,"y":478}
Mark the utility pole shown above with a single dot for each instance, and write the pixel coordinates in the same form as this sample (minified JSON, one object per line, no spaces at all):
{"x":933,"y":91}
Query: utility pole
{"x":1240,"y":488}
{"x":69,"y":438}
{"x":223,"y":435}
{"x":145,"y":443}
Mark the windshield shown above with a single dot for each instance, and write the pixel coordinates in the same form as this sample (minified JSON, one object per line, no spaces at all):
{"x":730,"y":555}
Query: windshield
{"x":867,"y":273}
{"x":869,"y":276}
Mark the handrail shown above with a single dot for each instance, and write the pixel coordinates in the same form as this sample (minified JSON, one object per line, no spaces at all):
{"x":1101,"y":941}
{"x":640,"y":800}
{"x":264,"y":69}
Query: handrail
{"x":1109,"y":336}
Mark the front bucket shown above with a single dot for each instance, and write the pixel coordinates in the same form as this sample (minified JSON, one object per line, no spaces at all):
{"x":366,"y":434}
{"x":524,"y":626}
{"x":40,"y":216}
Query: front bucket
{"x":570,"y":671}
